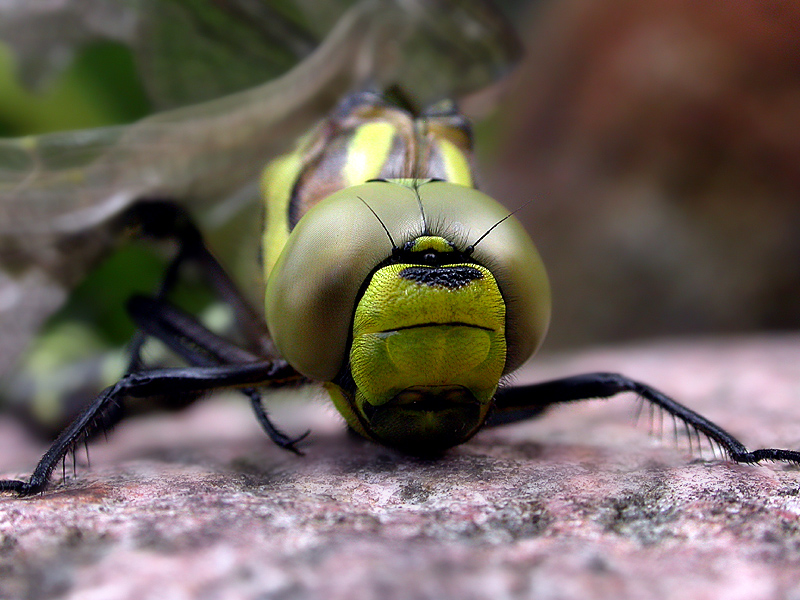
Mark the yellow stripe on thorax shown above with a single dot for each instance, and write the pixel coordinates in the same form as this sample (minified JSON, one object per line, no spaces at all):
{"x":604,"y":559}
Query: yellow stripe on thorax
{"x":368,"y":151}
{"x":277,"y":182}
{"x":456,"y":165}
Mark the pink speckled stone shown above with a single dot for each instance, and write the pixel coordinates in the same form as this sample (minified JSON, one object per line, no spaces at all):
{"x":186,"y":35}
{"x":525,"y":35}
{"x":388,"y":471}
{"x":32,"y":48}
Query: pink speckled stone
{"x":576,"y":505}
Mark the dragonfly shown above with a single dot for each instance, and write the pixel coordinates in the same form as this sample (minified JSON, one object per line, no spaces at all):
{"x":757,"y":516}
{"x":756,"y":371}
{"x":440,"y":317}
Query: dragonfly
{"x":390,"y":280}
{"x":61,"y":194}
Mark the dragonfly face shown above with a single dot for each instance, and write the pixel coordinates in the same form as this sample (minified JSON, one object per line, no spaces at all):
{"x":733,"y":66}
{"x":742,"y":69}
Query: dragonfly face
{"x":387,"y":290}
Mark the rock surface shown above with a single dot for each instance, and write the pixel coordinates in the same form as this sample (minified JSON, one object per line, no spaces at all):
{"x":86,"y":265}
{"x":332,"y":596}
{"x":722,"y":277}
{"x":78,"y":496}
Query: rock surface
{"x":576,"y":505}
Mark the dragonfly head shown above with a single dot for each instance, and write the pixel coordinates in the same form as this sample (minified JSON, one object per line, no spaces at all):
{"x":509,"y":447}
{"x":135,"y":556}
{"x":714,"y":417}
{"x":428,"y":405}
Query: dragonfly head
{"x":391,"y":294}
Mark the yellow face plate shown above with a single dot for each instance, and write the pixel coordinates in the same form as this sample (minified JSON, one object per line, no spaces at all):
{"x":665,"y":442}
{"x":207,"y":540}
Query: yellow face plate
{"x":428,"y":326}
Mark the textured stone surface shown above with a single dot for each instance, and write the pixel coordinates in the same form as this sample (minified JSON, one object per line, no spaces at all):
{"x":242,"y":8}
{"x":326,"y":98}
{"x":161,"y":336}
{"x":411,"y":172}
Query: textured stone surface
{"x":576,"y":505}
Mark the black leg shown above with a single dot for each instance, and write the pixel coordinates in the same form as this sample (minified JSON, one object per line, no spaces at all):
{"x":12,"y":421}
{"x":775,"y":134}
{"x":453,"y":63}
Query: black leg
{"x":526,"y":401}
{"x":164,"y":219}
{"x":200,"y":347}
{"x":161,"y":219}
{"x":216,"y":363}
{"x":184,"y":334}
{"x":148,"y":383}
{"x":276,"y":435}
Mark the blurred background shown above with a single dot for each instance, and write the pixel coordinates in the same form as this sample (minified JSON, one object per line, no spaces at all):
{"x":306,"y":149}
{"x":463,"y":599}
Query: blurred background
{"x":660,"y":143}
{"x":656,"y":142}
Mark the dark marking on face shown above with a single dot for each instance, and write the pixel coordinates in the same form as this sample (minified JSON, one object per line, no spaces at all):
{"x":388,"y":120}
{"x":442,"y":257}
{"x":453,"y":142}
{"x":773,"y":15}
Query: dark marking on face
{"x":449,"y":277}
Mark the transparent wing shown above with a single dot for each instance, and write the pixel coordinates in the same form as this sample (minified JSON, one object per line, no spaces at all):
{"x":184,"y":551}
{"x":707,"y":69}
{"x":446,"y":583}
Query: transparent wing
{"x":59,"y":192}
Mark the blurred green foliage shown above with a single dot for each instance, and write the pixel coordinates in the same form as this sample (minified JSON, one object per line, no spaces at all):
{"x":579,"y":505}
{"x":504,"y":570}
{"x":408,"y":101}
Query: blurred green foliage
{"x":100,"y":87}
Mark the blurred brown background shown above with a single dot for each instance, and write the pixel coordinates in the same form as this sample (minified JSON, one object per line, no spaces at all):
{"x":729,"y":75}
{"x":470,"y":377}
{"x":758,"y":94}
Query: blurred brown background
{"x":659,"y":142}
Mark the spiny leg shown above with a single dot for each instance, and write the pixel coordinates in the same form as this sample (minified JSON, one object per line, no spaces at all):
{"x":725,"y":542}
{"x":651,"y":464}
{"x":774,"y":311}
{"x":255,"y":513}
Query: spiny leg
{"x":149,"y":383}
{"x":188,"y":338}
{"x":163,"y":219}
{"x":522,"y":402}
{"x":276,"y":435}
{"x":160,"y":219}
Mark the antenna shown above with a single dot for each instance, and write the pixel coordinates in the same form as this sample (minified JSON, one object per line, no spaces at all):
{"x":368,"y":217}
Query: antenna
{"x":394,"y":246}
{"x":417,"y":185}
{"x":471,"y":248}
